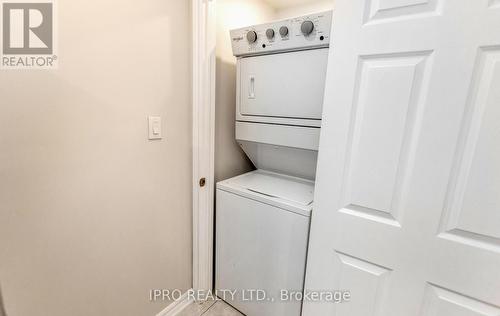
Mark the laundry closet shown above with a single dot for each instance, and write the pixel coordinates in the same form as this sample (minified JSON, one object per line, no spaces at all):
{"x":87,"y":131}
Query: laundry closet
{"x":271,"y":71}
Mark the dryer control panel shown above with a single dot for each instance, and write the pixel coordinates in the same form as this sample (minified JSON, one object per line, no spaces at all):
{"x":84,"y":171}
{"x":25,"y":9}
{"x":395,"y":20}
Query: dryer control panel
{"x":309,"y":31}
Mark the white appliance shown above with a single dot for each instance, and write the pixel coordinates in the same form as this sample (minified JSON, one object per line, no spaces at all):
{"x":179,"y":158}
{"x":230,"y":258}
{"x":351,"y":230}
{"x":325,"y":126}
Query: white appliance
{"x":262,"y":235}
{"x":262,"y":218}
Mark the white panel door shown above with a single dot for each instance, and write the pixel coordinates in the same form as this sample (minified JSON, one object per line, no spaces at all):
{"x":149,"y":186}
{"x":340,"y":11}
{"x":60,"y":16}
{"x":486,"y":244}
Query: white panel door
{"x":407,"y":206}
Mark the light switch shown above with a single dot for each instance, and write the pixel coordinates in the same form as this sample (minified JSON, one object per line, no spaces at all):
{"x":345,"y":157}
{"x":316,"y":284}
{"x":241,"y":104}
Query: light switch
{"x":154,"y":127}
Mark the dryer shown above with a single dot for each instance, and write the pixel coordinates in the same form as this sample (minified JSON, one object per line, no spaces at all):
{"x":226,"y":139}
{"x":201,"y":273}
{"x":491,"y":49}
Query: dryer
{"x":281,"y":73}
{"x":262,"y":217}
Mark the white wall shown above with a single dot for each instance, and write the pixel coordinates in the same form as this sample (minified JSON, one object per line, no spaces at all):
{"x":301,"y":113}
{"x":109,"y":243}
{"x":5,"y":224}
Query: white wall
{"x":298,"y":10}
{"x":229,"y":158}
{"x":92,"y":214}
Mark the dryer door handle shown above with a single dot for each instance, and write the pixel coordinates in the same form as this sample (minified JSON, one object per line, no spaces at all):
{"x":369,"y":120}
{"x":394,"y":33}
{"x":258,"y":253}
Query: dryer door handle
{"x":251,"y":87}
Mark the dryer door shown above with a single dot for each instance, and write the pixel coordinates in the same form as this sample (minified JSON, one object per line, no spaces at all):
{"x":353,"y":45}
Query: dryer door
{"x":287,"y":85}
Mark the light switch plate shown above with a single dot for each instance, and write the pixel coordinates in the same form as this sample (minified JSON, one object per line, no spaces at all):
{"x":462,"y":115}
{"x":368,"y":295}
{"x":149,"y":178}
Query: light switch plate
{"x":155,"y":127}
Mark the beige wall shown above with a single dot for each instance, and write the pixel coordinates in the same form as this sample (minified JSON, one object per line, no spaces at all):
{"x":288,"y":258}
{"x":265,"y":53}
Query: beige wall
{"x":229,"y":158}
{"x":92,"y":214}
{"x":298,"y":10}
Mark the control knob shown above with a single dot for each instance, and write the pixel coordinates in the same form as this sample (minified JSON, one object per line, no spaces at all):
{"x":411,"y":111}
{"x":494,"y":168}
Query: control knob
{"x":251,"y":36}
{"x":307,"y":28}
{"x":284,"y":31}
{"x":270,"y":34}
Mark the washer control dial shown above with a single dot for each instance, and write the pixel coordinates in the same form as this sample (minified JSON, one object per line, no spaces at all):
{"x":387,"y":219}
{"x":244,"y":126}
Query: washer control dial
{"x":307,"y":27}
{"x":270,"y":34}
{"x":251,"y":37}
{"x":284,"y":31}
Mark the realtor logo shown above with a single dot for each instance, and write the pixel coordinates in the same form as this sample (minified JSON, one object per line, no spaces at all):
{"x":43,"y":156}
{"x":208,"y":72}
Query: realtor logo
{"x":28,"y":35}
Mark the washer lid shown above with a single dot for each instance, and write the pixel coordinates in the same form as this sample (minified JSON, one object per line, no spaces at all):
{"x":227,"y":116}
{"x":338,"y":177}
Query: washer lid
{"x":289,"y":192}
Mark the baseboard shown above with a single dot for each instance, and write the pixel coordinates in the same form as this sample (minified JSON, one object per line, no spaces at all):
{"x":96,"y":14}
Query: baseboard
{"x":177,"y":306}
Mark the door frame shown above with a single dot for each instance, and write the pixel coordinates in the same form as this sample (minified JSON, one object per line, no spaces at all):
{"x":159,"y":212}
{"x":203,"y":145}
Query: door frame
{"x":203,"y":99}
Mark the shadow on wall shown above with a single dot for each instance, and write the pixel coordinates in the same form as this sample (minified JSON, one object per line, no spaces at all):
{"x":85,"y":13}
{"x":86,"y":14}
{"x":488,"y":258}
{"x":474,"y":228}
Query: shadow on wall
{"x":230,"y":160}
{"x":2,"y":308}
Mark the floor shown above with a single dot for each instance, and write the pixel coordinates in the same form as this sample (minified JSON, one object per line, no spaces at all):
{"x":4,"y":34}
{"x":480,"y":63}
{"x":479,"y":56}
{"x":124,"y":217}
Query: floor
{"x":210,"y":308}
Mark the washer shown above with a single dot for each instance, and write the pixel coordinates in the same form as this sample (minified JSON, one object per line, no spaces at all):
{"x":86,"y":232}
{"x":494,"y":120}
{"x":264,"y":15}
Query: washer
{"x":262,"y":234}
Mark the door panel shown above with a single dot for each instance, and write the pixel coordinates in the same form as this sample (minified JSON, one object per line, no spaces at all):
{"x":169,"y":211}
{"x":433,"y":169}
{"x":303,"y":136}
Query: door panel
{"x":441,"y":301}
{"x":382,"y":10}
{"x":365,"y":280}
{"x":385,"y":114}
{"x":473,"y":206}
{"x":407,"y":204}
{"x":284,"y":85}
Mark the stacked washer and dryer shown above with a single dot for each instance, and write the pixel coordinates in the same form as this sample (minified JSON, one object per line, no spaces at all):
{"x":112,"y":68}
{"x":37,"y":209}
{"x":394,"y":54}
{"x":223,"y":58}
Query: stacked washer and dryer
{"x":263,"y":217}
